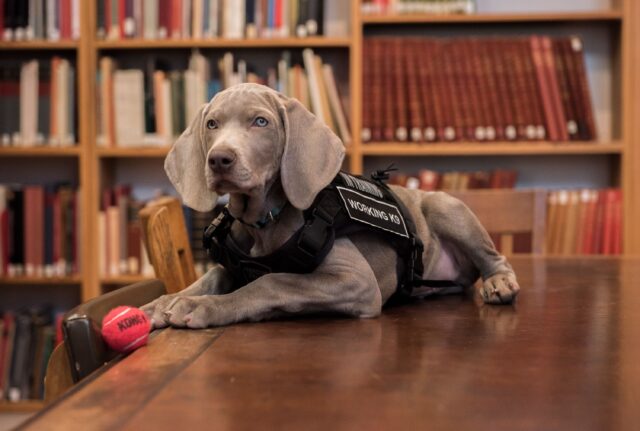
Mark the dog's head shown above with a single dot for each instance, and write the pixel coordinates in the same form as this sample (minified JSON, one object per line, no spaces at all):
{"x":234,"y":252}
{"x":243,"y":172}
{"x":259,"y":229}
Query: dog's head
{"x":247,"y":137}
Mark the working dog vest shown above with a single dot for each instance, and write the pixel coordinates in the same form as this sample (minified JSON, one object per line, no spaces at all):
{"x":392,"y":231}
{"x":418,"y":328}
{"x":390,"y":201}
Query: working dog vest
{"x":349,"y":204}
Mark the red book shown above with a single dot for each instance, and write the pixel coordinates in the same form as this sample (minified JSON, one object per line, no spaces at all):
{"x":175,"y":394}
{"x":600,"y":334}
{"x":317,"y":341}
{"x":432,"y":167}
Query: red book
{"x":57,"y":229}
{"x":495,"y":128}
{"x":164,"y":22}
{"x":536,"y":129}
{"x":401,"y":128}
{"x":431,"y":108}
{"x":1,"y":32}
{"x":584,"y":94}
{"x":176,"y":19}
{"x":562,"y":72}
{"x":38,"y":226}
{"x":277,"y":19}
{"x":367,"y":89}
{"x":517,"y":83}
{"x":122,"y":17}
{"x":452,"y":130}
{"x":544,"y":89}
{"x":554,"y":88}
{"x":413,"y":90}
{"x":378,"y":88}
{"x":587,"y":232}
{"x":506,"y":98}
{"x":616,"y":247}
{"x":387,"y":59}
{"x":64,"y":15}
{"x":107,"y":16}
{"x":471,"y":85}
{"x":608,"y":221}
{"x":429,"y":180}
{"x":4,"y":229}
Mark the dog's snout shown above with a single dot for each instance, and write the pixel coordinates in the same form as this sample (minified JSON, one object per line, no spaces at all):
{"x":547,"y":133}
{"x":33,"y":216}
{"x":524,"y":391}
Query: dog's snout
{"x":222,"y":160}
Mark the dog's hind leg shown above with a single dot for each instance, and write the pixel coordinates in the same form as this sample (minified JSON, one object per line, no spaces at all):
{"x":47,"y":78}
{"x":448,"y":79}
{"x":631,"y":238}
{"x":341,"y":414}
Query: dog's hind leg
{"x":454,"y":223}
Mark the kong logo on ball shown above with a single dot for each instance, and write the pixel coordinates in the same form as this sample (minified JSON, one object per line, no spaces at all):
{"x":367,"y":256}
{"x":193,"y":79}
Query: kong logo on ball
{"x":125,"y":328}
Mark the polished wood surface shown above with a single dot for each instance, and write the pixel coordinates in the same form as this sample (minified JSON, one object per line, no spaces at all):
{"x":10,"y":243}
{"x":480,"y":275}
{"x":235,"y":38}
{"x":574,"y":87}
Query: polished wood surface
{"x":566,"y":356}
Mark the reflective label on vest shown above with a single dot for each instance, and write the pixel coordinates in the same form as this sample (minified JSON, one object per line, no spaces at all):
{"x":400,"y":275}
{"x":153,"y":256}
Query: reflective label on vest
{"x":373,"y":212}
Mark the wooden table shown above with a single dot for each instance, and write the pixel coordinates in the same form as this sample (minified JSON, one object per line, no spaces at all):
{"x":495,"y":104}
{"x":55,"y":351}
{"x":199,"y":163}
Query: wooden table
{"x":565,"y":357}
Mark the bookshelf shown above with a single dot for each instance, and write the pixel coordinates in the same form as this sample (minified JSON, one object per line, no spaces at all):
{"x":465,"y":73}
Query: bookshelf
{"x":94,"y":167}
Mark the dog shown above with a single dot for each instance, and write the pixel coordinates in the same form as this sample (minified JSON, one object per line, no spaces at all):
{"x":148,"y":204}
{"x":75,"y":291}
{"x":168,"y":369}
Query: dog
{"x":268,"y":151}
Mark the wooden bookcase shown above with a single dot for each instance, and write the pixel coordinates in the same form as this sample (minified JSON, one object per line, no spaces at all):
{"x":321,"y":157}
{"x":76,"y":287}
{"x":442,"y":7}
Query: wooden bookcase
{"x":95,"y":165}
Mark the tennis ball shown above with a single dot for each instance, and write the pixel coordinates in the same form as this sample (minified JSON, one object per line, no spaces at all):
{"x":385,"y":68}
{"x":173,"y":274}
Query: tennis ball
{"x":125,"y":328}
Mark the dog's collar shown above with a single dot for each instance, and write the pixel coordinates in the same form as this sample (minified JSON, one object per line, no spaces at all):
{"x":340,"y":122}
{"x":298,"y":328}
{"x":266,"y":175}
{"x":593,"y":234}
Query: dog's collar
{"x":271,"y":216}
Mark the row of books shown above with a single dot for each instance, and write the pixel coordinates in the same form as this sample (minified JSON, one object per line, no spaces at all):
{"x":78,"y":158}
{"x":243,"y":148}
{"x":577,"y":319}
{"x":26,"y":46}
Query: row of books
{"x":584,"y":222}
{"x":418,"y":6}
{"x":122,"y":251}
{"x":429,"y":180}
{"x":233,"y":19}
{"x":27,"y":339}
{"x":52,"y":20}
{"x":476,"y":89}
{"x":151,"y":107}
{"x":39,"y":231}
{"x":38,"y":103}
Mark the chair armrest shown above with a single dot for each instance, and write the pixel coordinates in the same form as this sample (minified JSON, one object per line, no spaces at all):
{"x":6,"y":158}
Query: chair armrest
{"x":81,"y":326}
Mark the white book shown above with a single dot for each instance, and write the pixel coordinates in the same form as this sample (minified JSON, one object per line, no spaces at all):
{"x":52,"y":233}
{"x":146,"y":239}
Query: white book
{"x":62,"y":103}
{"x":196,"y":18}
{"x":335,"y":104}
{"x":53,"y":32}
{"x":29,"y":102}
{"x":191,"y":101}
{"x":234,"y":19}
{"x":336,"y":18}
{"x":39,"y":29}
{"x":214,"y":18}
{"x":314,"y":86}
{"x":199,"y":64}
{"x":166,"y":109}
{"x":31,"y":26}
{"x":128,"y":99}
{"x":227,"y":70}
{"x":150,"y":19}
{"x":75,"y":19}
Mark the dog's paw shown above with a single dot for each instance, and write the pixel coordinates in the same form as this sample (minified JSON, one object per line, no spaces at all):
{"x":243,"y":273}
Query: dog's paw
{"x":188,"y":312}
{"x":500,"y":288}
{"x":155,"y":311}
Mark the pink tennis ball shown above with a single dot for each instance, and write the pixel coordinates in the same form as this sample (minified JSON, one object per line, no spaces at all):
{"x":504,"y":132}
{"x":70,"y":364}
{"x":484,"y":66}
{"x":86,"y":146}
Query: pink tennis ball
{"x":125,"y":328}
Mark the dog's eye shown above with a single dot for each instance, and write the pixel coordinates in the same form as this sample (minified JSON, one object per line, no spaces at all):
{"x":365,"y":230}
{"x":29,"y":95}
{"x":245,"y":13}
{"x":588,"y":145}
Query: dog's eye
{"x":211,"y":124}
{"x":260,"y":122}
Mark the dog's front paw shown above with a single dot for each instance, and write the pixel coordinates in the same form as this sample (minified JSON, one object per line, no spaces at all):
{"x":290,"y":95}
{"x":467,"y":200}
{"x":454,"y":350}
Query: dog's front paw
{"x":155,"y":310}
{"x":500,"y":288}
{"x":189,"y":312}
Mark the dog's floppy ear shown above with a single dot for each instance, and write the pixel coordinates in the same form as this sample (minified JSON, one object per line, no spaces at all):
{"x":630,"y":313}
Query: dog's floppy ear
{"x":186,"y":166}
{"x":312,"y":154}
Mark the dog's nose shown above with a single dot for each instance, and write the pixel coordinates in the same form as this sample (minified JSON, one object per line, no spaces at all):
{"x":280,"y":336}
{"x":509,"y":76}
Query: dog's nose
{"x":221,"y":160}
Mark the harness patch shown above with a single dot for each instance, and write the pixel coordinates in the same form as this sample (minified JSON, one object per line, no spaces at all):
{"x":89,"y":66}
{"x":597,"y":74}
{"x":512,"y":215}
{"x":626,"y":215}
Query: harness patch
{"x":373,"y":212}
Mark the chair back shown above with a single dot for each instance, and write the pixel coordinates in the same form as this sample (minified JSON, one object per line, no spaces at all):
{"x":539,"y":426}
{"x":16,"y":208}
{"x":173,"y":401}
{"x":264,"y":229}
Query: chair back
{"x":167,"y":243}
{"x":506,"y":213}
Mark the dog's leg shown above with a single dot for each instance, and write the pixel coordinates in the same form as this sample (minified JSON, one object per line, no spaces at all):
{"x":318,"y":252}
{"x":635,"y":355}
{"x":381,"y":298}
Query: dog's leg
{"x":452,"y":221}
{"x":344,"y":283}
{"x":216,"y":281}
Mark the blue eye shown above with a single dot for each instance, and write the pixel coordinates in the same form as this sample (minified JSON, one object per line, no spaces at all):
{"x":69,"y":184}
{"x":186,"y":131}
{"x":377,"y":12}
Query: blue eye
{"x":260,"y":122}
{"x":211,"y":124}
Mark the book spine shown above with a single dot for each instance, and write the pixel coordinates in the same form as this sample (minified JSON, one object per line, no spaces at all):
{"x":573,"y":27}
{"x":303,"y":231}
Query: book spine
{"x":400,"y":80}
{"x":585,"y":96}
{"x":367,"y":89}
{"x":388,"y":59}
{"x":413,"y":91}
{"x":432,"y":109}
{"x":544,"y":89}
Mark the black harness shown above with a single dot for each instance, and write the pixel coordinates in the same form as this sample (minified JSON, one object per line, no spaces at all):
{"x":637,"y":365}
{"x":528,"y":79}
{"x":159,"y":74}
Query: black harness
{"x":348,"y":205}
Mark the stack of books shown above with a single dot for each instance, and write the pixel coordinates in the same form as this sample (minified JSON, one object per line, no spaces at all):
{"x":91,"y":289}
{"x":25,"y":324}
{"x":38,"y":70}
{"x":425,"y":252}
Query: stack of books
{"x":476,"y":89}
{"x":52,"y":20}
{"x":27,"y":339}
{"x":418,"y":6}
{"x":584,"y":222}
{"x":38,"y":103}
{"x":152,"y":107}
{"x":429,"y":180}
{"x":204,"y":19}
{"x":39,"y":231}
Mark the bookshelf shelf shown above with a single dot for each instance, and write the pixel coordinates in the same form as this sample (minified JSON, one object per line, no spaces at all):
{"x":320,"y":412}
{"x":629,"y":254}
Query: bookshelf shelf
{"x":291,"y":42}
{"x":71,"y":280}
{"x":72,"y":151}
{"x":493,"y":18}
{"x":133,"y":152}
{"x":489,"y":149}
{"x":29,"y":406}
{"x":38,"y":45}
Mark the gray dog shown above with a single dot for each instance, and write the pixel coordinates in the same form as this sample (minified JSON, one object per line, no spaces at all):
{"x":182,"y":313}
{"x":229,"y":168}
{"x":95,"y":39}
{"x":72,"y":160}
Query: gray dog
{"x":267,"y":151}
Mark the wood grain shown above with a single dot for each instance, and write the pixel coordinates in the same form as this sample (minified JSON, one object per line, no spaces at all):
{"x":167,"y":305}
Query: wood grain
{"x":562,"y":358}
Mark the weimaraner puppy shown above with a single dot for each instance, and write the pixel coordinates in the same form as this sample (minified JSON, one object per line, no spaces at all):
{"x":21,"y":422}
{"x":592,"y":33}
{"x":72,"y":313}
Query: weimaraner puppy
{"x":266,"y":150}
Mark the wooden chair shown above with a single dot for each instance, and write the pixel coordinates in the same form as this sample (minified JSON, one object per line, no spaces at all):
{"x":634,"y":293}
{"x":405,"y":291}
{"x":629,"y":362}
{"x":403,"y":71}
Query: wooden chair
{"x":83,"y":351}
{"x":167,"y":243}
{"x":506,"y":212}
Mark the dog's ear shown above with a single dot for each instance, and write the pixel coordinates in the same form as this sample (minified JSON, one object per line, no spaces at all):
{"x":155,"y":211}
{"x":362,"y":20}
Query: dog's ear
{"x":312,"y":154}
{"x":186,"y":166}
